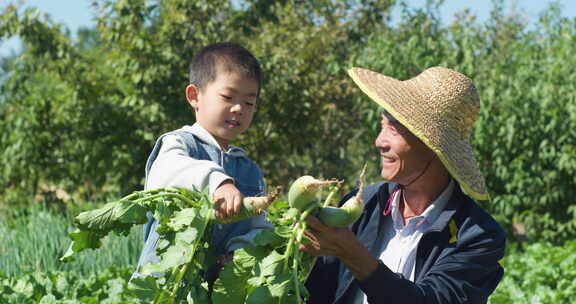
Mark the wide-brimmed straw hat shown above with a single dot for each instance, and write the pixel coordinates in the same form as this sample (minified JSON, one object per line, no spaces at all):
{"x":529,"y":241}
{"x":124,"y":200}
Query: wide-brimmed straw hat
{"x":440,"y":107}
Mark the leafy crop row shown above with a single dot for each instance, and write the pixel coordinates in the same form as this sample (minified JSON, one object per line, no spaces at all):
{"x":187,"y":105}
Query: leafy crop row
{"x":272,"y":270}
{"x":541,"y":274}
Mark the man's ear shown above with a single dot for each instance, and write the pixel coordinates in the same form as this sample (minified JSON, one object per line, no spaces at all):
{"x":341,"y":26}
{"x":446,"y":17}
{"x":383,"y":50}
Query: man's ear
{"x":192,"y":92}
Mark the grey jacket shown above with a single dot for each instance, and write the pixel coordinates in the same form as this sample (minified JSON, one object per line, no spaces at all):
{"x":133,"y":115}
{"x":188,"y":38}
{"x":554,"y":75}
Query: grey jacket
{"x":247,"y":178}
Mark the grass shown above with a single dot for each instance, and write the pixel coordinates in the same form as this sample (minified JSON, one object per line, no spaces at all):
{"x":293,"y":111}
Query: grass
{"x":34,"y":243}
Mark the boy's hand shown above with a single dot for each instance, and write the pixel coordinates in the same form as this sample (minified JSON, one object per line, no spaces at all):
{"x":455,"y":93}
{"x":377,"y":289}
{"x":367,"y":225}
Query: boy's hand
{"x":227,"y":200}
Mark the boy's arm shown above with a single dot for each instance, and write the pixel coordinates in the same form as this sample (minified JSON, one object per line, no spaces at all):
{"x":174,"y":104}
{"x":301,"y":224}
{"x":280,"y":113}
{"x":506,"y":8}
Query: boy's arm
{"x":175,"y":168}
{"x":257,"y":224}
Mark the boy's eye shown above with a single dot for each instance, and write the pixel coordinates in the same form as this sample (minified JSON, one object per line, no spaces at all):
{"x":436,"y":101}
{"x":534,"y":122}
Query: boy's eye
{"x":226,"y":97}
{"x":249,"y":103}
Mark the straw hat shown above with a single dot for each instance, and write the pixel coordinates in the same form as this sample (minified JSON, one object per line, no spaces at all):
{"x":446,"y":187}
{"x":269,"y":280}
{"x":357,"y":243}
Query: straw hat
{"x":440,"y":107}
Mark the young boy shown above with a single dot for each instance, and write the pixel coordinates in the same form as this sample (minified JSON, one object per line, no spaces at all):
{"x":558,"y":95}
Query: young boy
{"x":225,"y":81}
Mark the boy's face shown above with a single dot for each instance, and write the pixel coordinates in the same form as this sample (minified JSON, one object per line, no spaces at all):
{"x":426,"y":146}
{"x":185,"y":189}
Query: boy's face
{"x":224,"y":107}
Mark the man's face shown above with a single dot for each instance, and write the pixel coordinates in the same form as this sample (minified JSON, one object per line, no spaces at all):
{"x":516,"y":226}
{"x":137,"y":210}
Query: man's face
{"x":403,"y":155}
{"x":226,"y":106}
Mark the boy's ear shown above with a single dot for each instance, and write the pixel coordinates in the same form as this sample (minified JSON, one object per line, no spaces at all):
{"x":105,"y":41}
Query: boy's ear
{"x":192,"y":92}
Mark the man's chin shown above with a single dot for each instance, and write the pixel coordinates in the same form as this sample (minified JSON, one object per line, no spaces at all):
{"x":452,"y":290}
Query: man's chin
{"x":387,"y":173}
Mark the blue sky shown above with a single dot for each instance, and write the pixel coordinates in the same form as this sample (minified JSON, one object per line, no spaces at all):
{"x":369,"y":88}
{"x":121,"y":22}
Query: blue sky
{"x":78,"y":13}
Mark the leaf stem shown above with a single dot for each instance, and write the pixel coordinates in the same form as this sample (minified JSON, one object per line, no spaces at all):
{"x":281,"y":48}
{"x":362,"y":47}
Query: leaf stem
{"x":179,"y":278}
{"x":333,"y":191}
{"x":174,"y":195}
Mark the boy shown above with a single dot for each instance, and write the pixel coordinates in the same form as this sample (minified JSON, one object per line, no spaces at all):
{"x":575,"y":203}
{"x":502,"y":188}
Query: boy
{"x":225,"y":81}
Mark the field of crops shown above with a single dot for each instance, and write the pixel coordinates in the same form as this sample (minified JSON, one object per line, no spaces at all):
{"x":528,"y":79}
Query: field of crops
{"x":79,"y":113}
{"x":31,"y":272}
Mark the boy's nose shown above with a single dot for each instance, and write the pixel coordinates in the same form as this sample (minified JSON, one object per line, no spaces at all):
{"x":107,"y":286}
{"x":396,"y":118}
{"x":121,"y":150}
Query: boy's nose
{"x":237,"y":108}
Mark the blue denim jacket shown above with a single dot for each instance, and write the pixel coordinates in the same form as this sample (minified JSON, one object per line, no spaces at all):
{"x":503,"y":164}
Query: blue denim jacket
{"x":247,"y":178}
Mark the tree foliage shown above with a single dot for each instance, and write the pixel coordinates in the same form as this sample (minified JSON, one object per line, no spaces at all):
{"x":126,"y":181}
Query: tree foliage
{"x":80,"y":116}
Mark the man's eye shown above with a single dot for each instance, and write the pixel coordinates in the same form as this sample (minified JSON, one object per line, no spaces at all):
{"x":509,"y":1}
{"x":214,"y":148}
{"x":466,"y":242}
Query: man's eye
{"x":249,"y":103}
{"x":392,"y":129}
{"x":226,"y":97}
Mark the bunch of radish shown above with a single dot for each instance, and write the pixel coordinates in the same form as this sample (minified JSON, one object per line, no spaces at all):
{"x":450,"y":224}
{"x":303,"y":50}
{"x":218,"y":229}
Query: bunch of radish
{"x":303,"y":196}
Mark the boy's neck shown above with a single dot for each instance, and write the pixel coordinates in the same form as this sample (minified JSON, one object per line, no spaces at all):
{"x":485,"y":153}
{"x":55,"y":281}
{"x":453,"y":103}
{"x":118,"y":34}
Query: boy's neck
{"x":221,"y":142}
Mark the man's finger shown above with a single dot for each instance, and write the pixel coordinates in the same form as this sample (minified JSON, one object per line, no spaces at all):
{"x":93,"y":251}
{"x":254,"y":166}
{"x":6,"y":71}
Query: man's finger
{"x":310,"y":235}
{"x":315,"y":224}
{"x":310,"y":249}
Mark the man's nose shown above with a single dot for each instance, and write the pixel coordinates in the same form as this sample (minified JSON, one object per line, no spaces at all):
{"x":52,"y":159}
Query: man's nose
{"x":380,"y":141}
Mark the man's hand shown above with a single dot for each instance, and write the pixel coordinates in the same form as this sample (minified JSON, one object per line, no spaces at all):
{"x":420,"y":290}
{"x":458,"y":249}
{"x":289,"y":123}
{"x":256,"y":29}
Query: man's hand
{"x":227,"y":201}
{"x":326,"y":240}
{"x":341,"y":243}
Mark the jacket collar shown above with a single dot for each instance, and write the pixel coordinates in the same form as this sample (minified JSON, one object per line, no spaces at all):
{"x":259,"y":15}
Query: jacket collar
{"x":206,"y":137}
{"x":432,"y":213}
{"x":443,"y":218}
{"x":453,"y":204}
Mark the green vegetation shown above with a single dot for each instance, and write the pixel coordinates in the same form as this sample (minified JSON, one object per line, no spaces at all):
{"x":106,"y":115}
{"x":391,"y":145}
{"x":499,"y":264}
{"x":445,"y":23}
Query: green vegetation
{"x":273,"y":270}
{"x":543,"y":273}
{"x":79,"y":117}
{"x":34,"y":242}
{"x":83,"y":115}
{"x":540,"y":273}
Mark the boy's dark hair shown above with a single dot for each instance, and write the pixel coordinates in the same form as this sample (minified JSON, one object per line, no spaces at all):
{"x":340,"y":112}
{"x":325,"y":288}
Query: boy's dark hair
{"x":232,"y":57}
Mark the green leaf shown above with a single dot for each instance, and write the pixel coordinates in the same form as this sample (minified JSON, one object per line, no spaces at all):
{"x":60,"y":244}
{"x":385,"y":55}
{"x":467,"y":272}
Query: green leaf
{"x":188,"y":236}
{"x":271,"y":264}
{"x":198,"y":295}
{"x":281,"y":285}
{"x":230,"y":287}
{"x":260,"y":295}
{"x":81,"y":240}
{"x":185,"y":217}
{"x":112,"y":215}
{"x":176,"y":255}
{"x":146,"y":288}
{"x":268,"y":237}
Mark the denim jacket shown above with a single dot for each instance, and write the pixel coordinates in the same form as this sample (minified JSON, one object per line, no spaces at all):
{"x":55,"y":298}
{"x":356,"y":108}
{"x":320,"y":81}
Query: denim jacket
{"x":247,"y":178}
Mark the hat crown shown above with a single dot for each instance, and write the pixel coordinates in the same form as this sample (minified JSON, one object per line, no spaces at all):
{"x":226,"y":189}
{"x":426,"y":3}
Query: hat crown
{"x":451,"y":99}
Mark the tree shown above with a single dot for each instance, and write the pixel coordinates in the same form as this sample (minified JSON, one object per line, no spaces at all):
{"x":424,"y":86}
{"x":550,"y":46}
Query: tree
{"x":82,"y":116}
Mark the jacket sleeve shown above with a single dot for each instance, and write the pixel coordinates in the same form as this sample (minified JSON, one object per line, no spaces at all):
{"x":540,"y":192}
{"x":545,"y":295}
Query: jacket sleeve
{"x":175,"y":168}
{"x":465,"y":272}
{"x":323,"y":280}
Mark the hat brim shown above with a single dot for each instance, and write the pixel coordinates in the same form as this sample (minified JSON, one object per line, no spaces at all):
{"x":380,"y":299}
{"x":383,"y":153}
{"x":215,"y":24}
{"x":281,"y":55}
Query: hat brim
{"x":455,"y":152}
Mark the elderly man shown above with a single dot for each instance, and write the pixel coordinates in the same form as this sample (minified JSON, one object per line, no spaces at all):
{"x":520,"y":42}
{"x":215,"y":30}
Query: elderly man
{"x":421,"y":238}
